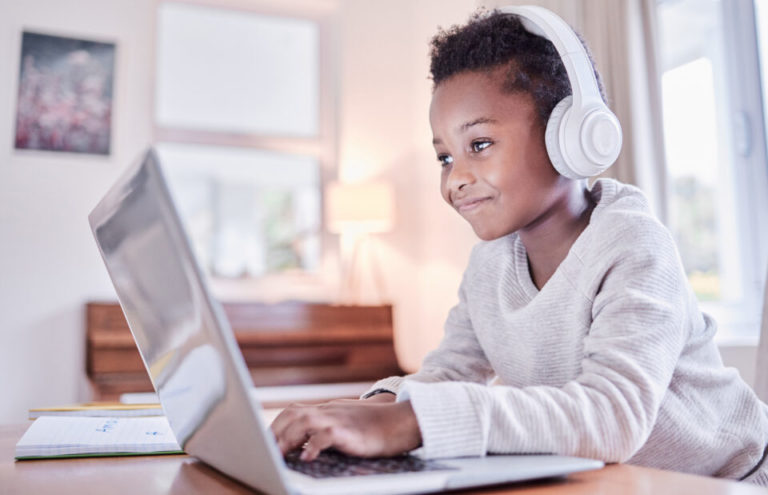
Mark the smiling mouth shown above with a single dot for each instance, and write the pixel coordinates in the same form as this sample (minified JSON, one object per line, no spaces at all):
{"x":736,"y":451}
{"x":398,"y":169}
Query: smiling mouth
{"x":466,"y":206}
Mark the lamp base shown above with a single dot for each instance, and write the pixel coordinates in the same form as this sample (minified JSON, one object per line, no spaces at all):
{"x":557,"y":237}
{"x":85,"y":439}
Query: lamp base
{"x":352,"y":288}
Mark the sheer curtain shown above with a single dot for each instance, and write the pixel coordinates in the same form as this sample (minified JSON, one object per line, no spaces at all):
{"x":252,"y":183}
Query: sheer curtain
{"x":621,"y":35}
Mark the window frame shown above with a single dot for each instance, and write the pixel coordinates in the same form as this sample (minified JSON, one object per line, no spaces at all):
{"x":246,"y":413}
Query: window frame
{"x":743,"y":76}
{"x":323,"y":146}
{"x":745,"y":146}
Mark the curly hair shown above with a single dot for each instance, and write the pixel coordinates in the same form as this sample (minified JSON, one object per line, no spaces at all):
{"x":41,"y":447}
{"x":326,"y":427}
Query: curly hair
{"x":494,"y":40}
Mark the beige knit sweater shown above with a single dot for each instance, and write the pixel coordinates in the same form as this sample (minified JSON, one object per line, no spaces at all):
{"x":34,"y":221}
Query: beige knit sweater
{"x":611,"y":359}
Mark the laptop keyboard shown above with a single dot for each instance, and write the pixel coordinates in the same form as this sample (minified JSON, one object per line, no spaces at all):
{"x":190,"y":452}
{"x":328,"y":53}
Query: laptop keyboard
{"x":332,"y":463}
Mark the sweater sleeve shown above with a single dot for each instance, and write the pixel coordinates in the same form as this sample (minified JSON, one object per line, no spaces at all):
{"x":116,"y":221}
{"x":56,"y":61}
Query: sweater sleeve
{"x":459,"y":357}
{"x":607,"y":412}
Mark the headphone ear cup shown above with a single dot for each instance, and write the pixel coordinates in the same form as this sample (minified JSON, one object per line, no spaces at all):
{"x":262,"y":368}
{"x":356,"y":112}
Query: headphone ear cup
{"x":552,"y":139}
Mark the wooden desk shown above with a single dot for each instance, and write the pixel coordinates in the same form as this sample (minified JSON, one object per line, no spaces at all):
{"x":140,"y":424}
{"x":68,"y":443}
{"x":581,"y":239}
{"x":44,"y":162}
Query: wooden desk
{"x":283,"y":344}
{"x":180,"y":474}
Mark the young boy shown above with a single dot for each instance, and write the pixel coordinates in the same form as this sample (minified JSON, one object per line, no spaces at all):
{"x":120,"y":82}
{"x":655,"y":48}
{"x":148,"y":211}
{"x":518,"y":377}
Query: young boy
{"x":575,"y":302}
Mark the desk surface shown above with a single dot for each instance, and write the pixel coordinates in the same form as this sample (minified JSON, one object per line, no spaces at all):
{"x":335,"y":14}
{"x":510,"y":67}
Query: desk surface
{"x":184,"y":475}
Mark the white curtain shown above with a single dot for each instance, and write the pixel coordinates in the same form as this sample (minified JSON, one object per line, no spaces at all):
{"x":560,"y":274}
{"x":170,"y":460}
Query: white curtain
{"x":622,"y":37}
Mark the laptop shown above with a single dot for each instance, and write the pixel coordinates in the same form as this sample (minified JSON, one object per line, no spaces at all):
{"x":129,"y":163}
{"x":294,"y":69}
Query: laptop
{"x":202,"y":381}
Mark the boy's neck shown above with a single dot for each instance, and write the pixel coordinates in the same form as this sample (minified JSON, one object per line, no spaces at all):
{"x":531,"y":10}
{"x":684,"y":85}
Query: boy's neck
{"x":549,"y":240}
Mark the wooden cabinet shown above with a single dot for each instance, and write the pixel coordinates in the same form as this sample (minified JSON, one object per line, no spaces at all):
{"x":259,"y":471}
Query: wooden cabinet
{"x":283,"y":344}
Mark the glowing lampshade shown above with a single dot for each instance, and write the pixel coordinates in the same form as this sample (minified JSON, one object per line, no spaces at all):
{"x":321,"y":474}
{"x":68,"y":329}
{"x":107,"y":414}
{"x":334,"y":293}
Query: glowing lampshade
{"x":363,"y":208}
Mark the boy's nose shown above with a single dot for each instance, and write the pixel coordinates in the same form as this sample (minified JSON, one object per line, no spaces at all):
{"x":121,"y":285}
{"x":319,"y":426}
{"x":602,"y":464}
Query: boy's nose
{"x":459,"y":177}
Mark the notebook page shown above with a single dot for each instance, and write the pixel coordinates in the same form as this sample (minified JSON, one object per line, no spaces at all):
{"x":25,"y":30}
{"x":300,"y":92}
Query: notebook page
{"x":65,"y":435}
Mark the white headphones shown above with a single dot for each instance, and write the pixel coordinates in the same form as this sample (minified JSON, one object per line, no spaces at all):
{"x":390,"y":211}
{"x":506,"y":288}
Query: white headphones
{"x":583,"y":136}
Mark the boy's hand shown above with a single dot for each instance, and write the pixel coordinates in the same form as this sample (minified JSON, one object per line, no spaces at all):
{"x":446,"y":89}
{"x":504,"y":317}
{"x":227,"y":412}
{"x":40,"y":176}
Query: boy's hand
{"x":366,"y":428}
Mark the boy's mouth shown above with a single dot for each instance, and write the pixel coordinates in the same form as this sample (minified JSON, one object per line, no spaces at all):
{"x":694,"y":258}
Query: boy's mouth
{"x":469,"y":204}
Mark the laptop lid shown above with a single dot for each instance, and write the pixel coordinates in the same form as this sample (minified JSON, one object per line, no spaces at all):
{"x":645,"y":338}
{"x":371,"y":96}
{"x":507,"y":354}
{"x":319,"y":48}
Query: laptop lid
{"x":183,"y":337}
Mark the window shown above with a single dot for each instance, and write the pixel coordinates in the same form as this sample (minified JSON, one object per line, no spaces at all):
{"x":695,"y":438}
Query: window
{"x":715,"y":150}
{"x":242,"y":124}
{"x":255,"y":212}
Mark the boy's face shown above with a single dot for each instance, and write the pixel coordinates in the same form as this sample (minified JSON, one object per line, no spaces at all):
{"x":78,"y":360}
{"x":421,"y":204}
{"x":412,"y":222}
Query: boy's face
{"x":490,"y":145}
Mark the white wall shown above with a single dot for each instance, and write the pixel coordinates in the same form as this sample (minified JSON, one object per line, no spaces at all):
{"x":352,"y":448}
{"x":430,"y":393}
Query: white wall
{"x":49,"y":264}
{"x":384,"y":133}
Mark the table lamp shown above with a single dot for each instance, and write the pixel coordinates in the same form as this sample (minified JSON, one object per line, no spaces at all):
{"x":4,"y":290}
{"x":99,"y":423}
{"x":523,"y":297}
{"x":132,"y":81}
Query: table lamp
{"x":354,"y":211}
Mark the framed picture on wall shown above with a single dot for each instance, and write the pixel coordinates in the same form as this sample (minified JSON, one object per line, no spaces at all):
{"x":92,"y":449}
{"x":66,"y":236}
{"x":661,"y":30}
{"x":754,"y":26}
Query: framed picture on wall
{"x":65,"y":94}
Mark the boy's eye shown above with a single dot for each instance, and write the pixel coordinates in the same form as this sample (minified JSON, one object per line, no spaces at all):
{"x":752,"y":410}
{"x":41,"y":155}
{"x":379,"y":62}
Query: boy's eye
{"x":445,"y":159}
{"x":480,"y":145}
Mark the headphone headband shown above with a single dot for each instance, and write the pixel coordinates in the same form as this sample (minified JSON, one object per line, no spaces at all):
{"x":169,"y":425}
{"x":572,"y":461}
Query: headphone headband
{"x":544,"y":23}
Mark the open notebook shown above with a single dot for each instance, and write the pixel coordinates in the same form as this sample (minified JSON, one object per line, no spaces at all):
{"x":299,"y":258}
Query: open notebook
{"x":65,"y":436}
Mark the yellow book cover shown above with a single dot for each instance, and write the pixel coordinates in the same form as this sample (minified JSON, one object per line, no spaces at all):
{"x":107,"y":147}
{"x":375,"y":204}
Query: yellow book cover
{"x":98,"y":409}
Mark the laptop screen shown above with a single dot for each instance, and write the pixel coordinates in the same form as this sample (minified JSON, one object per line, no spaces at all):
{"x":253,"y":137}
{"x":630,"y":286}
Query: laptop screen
{"x":184,"y":340}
